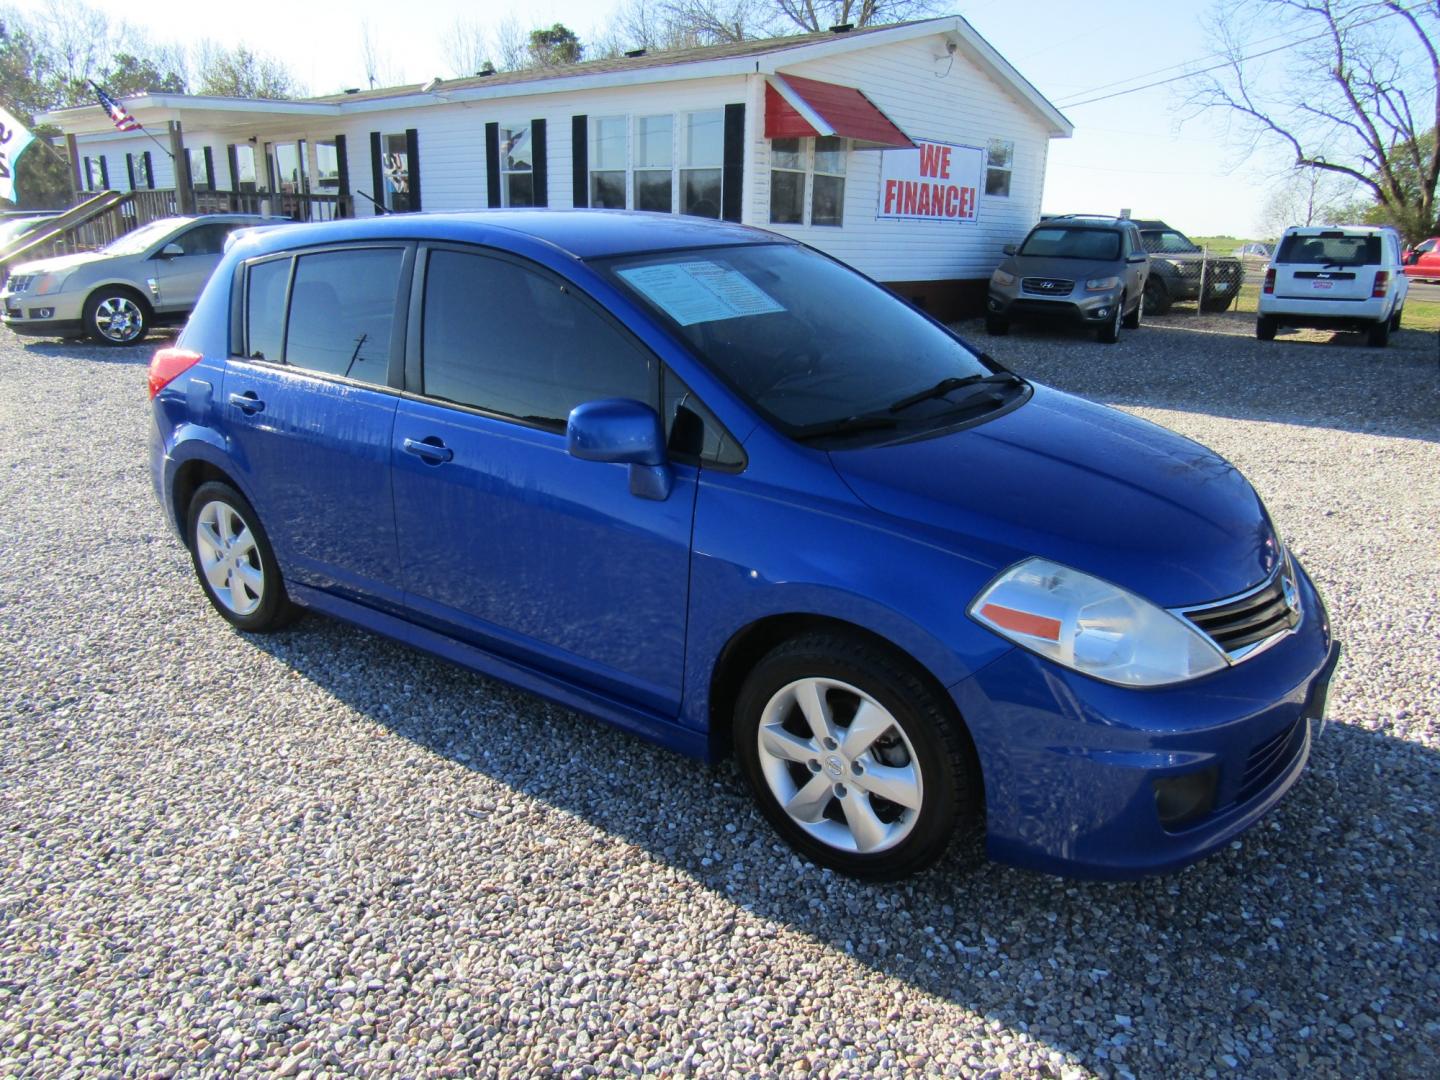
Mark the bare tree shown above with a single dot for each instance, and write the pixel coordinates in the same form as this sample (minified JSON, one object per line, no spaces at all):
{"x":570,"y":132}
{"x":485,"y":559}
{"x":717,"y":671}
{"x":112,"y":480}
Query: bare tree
{"x":812,"y":15}
{"x":1308,"y":197}
{"x":380,"y":70}
{"x":1359,"y":96}
{"x":466,"y":48}
{"x":240,"y":72}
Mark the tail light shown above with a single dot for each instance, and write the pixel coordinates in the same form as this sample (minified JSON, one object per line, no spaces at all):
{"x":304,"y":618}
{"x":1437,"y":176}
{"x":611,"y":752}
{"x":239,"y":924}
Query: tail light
{"x":1382,"y":283}
{"x":167,"y":364}
{"x":1270,"y":280}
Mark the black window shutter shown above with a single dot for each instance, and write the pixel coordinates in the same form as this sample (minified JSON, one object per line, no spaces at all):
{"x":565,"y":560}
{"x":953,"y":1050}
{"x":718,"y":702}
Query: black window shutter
{"x":734,"y":174}
{"x":104,"y":173}
{"x":538,"y":166}
{"x":130,"y":169}
{"x":232,"y":160}
{"x":149,"y":171}
{"x":492,"y":164}
{"x":377,"y":171}
{"x":342,"y":163}
{"x":412,"y":154}
{"x":209,"y":168}
{"x":580,"y":160}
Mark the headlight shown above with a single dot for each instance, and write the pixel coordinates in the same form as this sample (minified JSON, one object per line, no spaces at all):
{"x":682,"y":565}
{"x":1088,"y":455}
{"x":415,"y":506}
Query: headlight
{"x":1101,"y":284}
{"x":1093,"y":627}
{"x":47,"y":283}
{"x":1000,"y":277}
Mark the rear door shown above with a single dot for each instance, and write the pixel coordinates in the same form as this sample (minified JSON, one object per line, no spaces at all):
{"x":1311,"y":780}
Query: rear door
{"x":505,"y":538}
{"x":309,"y":396}
{"x":1327,"y":265}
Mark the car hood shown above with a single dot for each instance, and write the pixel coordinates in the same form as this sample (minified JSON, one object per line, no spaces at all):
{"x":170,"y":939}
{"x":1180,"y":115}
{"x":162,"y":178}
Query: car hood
{"x":58,"y":263}
{"x":1084,"y":485}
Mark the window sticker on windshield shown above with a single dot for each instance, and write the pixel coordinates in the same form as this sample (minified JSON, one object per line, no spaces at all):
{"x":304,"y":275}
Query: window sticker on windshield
{"x":696,"y":292}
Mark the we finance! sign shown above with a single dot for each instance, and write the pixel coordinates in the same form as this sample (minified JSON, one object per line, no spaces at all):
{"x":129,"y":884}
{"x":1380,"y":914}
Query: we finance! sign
{"x":934,"y":182}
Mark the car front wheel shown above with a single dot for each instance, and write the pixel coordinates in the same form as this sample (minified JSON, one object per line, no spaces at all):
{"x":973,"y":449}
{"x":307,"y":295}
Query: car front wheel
{"x":1109,"y":334}
{"x":234,"y":560}
{"x":117,"y":316}
{"x":853,"y":760}
{"x":1156,"y":297}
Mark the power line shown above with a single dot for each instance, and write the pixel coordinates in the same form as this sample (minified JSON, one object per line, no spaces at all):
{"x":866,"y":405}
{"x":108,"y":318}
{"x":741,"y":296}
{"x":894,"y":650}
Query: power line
{"x":1069,"y":104}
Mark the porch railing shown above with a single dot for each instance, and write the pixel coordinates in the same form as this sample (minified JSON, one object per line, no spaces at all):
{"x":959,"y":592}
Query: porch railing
{"x":296,"y":206}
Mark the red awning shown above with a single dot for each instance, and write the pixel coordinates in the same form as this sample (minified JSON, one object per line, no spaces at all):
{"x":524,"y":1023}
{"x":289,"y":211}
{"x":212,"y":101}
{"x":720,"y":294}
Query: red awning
{"x":797,"y":108}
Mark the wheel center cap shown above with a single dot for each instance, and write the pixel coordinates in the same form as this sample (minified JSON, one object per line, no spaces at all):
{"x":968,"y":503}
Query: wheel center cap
{"x":834,"y":766}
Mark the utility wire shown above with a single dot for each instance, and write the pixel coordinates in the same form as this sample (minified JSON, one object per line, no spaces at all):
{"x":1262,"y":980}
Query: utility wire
{"x":1069,"y":104}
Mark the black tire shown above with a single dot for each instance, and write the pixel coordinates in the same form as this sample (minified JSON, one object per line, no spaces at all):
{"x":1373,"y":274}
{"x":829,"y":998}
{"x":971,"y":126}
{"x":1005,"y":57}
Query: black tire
{"x":115,"y":315}
{"x":1109,"y":334}
{"x":1395,"y":319}
{"x":274,"y":610}
{"x":1265,"y":328}
{"x":1156,"y":297}
{"x":996,"y":326}
{"x":1133,"y":319}
{"x":943,"y":759}
{"x":1217,"y":303}
{"x":1379,"y":334}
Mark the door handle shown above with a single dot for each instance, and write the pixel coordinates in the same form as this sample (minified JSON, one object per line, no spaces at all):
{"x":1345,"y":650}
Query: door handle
{"x":247,"y":402}
{"x":434,"y":452}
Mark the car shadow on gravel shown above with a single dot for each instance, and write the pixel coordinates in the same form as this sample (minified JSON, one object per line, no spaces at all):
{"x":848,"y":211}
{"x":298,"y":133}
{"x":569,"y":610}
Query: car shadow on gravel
{"x":1308,"y":943}
{"x":87,"y":351}
{"x":1213,"y":364}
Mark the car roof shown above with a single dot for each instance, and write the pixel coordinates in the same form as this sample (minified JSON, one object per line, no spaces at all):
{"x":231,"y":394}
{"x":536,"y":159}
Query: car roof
{"x":583,"y":234}
{"x":1321,"y":230}
{"x":1089,"y":221}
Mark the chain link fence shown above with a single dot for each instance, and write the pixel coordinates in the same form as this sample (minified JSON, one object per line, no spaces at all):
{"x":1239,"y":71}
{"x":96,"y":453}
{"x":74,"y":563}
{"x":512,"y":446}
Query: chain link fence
{"x":1201,"y":281}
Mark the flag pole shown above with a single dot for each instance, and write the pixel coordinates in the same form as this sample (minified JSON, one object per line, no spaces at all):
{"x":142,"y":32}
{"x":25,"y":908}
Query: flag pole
{"x":101,"y":95}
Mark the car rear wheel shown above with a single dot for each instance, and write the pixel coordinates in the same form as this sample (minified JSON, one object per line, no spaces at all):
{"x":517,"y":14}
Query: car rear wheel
{"x":117,"y":316}
{"x":854,"y":761}
{"x":1109,"y":334}
{"x":1156,"y":297}
{"x":1395,"y":319}
{"x":234,"y":561}
{"x":1265,"y":328}
{"x":1379,"y":335}
{"x":997,"y":326}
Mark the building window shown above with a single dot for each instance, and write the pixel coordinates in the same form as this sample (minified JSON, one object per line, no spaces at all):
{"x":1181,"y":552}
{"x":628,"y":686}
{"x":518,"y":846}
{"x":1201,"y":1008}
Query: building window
{"x":702,"y":158}
{"x":807,"y":181}
{"x":199,"y":173}
{"x":517,"y":178}
{"x":244,"y":178}
{"x":327,"y":167}
{"x":654,"y":160}
{"x":608,"y":162}
{"x":999,"y":159}
{"x":395,"y":169}
{"x":140,"y":170}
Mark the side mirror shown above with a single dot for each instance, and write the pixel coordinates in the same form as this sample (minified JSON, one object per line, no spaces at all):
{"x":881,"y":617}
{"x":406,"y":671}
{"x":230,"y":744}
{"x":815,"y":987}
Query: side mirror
{"x":1008,"y":249}
{"x":624,"y":431}
{"x":1139,"y":257}
{"x":170,"y":251}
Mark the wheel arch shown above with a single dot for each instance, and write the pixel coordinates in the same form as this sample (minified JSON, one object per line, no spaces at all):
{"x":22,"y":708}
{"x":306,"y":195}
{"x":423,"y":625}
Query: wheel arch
{"x":120,"y":285}
{"x":750,"y":643}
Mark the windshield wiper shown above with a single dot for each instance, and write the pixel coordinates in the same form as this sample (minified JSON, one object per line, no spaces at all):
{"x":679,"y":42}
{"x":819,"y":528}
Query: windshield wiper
{"x":844,"y":426}
{"x":946,"y":386}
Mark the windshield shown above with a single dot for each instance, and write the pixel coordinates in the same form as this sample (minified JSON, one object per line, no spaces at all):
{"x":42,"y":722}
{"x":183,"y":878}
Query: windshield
{"x":1158,"y":243}
{"x":1330,"y":249}
{"x":1072,"y":242}
{"x":133,"y":243}
{"x":808,"y":342}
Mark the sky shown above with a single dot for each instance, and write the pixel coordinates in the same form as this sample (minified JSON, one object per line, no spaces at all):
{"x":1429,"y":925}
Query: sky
{"x":1143,"y":151}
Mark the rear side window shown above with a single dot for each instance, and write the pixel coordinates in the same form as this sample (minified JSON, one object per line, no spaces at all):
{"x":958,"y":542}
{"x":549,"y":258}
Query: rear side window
{"x":1330,"y":249}
{"x":342,"y":307}
{"x":265,"y":309}
{"x":510,"y":340}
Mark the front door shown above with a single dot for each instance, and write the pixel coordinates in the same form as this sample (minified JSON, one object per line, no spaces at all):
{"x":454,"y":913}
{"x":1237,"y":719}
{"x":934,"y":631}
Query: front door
{"x":180,"y":277}
{"x":505,"y":538}
{"x":310,"y":409}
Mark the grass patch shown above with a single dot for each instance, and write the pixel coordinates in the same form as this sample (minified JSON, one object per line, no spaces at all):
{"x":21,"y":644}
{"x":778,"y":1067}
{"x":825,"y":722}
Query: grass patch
{"x":1419,"y":314}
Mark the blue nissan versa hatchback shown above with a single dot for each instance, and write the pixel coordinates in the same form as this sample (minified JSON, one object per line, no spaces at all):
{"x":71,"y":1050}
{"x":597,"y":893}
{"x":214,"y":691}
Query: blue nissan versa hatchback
{"x":721,"y":490}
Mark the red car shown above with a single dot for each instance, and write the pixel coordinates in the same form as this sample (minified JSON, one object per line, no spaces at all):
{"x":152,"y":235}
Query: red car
{"x":1422,"y":262}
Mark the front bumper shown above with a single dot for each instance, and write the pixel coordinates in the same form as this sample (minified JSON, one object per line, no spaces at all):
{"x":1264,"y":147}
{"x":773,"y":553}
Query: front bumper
{"x":48,"y":315}
{"x":1070,"y":763}
{"x":1079,"y":308}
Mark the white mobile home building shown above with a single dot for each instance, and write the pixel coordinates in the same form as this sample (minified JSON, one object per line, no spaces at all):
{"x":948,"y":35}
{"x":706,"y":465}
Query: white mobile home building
{"x":913,"y":152}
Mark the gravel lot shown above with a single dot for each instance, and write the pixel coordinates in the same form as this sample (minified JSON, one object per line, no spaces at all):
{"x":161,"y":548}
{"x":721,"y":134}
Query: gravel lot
{"x":321,"y":853}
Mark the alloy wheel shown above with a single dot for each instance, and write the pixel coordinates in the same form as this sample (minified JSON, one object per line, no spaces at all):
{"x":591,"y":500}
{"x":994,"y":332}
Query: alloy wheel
{"x":230,"y":558}
{"x":840,"y":766}
{"x":119,"y":319}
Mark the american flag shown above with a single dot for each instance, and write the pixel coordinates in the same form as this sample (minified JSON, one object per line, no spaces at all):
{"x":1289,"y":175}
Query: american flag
{"x":118,"y":114}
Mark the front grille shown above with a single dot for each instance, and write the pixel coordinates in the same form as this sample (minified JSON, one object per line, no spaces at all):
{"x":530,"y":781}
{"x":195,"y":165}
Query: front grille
{"x":1270,"y":758}
{"x":20,"y":282}
{"x":1239,"y":624}
{"x":1047,"y":286}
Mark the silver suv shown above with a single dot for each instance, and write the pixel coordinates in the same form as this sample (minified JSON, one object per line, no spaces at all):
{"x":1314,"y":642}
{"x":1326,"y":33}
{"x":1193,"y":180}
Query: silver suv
{"x":1079,"y":268}
{"x":149,"y":277}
